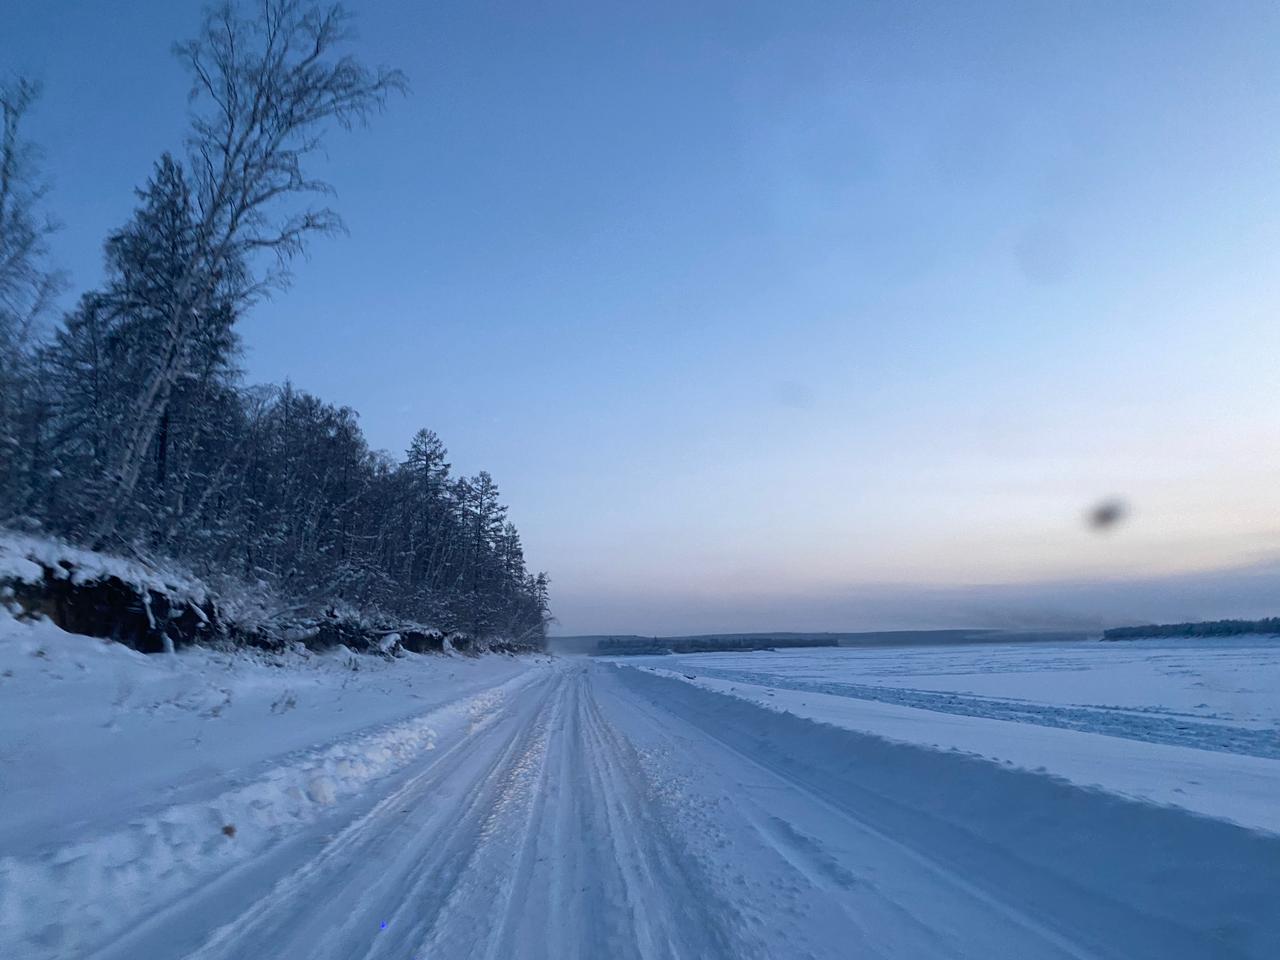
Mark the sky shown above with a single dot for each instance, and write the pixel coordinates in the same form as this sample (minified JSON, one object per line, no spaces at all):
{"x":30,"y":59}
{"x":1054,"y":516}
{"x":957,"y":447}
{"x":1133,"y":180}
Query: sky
{"x":815,"y":315}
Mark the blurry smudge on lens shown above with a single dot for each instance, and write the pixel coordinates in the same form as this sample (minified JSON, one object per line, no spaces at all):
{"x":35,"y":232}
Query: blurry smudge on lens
{"x":1106,"y":514}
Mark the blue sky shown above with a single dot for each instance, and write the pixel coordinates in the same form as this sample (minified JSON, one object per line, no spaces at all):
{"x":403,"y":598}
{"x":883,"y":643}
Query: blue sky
{"x":754,"y":310}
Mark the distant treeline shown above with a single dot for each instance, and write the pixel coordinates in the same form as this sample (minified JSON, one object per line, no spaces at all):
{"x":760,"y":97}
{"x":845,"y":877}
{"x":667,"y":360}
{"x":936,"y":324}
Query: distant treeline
{"x":1210,"y":628}
{"x":637,"y":646}
{"x":125,"y":424}
{"x":631,"y":644}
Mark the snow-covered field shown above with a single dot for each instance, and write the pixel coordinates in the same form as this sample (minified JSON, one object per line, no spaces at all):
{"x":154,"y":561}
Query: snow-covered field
{"x":1191,"y":723}
{"x":217,"y":806}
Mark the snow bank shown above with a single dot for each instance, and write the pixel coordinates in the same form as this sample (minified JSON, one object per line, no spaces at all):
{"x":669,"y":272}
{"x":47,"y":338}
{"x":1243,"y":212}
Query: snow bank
{"x":1239,"y":789}
{"x":129,"y":779}
{"x":147,"y":861}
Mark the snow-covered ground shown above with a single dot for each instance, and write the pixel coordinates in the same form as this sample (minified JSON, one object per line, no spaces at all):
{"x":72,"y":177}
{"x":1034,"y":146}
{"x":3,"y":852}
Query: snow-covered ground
{"x":1191,"y":723}
{"x":444,"y":807}
{"x":1197,"y":692}
{"x":120,"y":771}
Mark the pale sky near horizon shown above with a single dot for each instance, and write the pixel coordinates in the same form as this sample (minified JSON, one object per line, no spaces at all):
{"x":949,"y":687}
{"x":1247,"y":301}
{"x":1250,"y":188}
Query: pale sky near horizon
{"x":810,"y":315}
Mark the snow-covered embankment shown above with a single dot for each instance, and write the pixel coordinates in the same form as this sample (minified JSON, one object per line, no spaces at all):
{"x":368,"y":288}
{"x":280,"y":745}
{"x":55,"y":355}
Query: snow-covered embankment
{"x":127,"y":779}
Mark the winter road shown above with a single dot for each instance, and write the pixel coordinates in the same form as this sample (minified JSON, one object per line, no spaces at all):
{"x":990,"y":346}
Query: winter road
{"x":599,"y":811}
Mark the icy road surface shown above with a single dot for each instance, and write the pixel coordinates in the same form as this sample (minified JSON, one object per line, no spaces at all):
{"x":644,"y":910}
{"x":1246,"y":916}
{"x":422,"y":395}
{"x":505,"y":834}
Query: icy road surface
{"x":593,"y":810}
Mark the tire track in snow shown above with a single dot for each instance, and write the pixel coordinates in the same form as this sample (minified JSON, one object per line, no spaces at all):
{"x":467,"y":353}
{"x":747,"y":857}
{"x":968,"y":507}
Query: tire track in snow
{"x":689,"y":920}
{"x":534,"y":837}
{"x":394,"y":865}
{"x":584,"y":870}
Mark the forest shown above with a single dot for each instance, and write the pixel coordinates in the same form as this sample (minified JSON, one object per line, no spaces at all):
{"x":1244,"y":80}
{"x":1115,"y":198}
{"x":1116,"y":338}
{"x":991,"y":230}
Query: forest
{"x":1210,"y":628}
{"x":126,"y":425}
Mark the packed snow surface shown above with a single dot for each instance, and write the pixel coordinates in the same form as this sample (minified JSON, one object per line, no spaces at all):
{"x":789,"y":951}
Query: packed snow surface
{"x":222,"y":806}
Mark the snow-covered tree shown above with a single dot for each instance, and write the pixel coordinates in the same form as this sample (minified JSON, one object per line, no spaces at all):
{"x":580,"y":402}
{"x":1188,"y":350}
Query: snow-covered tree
{"x":130,"y":426}
{"x":27,"y":284}
{"x":266,"y":84}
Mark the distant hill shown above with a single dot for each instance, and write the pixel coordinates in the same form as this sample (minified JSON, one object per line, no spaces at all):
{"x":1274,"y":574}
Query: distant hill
{"x":634,"y":645}
{"x":1208,"y":628}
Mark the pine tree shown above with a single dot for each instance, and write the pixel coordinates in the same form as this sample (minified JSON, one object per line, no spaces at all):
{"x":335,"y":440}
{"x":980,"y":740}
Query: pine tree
{"x":130,"y":423}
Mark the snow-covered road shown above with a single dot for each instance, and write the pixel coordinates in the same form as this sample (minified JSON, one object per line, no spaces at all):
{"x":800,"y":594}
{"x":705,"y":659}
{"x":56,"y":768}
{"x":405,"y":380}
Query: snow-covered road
{"x":585,"y":809}
{"x":530,"y":832}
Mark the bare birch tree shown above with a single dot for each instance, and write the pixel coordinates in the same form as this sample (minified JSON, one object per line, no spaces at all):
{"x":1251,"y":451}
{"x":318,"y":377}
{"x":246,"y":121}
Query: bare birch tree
{"x":267,"y":85}
{"x":27,"y":285}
